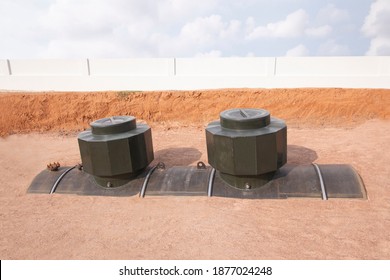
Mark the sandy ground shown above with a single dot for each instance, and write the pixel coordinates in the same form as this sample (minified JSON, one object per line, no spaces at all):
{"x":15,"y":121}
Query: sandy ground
{"x":85,"y":227}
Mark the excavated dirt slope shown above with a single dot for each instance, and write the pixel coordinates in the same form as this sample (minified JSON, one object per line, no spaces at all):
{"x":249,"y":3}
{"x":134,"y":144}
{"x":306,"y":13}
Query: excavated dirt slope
{"x":324,"y":126}
{"x":24,"y":112}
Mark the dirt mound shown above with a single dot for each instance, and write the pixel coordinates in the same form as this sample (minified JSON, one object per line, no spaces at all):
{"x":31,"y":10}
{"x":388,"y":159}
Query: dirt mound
{"x":25,"y":112}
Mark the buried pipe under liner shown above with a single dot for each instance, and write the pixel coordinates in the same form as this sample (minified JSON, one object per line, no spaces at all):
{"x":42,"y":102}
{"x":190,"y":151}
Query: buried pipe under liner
{"x":247,"y":151}
{"x":336,"y":181}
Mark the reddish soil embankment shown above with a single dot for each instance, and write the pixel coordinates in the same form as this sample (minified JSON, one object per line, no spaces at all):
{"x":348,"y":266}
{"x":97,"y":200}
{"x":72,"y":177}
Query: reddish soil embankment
{"x":26,"y":112}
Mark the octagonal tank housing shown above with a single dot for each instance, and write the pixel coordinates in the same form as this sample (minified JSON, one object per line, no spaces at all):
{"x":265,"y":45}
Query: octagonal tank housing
{"x":115,"y":149}
{"x":246,"y":142}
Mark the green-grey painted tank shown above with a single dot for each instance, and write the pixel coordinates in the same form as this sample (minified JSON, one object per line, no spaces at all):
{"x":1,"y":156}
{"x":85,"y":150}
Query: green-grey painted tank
{"x":116,"y":149}
{"x":246,"y":142}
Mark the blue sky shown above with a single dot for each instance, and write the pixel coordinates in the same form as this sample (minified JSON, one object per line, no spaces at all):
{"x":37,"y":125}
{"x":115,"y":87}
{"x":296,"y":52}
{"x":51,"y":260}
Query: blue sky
{"x":193,"y":28}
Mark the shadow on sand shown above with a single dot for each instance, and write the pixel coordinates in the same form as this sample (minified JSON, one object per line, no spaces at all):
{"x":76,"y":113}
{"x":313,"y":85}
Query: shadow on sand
{"x":300,"y":155}
{"x":178,"y":156}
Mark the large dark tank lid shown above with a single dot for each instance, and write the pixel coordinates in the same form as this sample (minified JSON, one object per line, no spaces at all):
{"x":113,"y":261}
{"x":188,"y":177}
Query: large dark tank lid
{"x":113,"y":125}
{"x":245,"y":118}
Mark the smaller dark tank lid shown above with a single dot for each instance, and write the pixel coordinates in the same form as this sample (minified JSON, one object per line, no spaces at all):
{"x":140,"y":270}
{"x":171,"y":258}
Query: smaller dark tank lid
{"x":245,"y":118}
{"x":113,"y":125}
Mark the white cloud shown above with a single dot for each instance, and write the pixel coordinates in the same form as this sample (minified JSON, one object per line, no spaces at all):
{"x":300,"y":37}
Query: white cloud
{"x":231,"y":29}
{"x":299,"y":50}
{"x":377,"y":26}
{"x":66,"y":48}
{"x":67,"y":18}
{"x":331,"y":14}
{"x":80,"y":28}
{"x":198,"y":36}
{"x":379,"y":46}
{"x":321,"y":31}
{"x":250,"y":25}
{"x":208,"y":29}
{"x":177,"y":10}
{"x":332,"y":48}
{"x":98,"y":28}
{"x":213,"y":53}
{"x":19,"y":28}
{"x":292,"y":26}
{"x":134,"y":28}
{"x":295,"y":24}
{"x":377,"y":22}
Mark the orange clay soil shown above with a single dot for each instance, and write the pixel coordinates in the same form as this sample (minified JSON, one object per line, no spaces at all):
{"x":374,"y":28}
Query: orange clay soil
{"x":27,"y":112}
{"x":325,"y":126}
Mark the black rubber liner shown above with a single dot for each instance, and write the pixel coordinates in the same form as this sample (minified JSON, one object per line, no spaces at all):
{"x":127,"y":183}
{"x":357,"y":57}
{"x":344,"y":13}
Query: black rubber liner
{"x":289,"y":181}
{"x":340,"y":181}
{"x":179,"y":181}
{"x":349,"y":185}
{"x":81,"y":183}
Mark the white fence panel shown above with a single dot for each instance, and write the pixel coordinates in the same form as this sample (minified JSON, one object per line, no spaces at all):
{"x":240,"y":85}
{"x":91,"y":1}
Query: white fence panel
{"x":4,"y":71}
{"x":333,"y":66}
{"x":246,"y":66}
{"x":49,"y":67}
{"x":132,"y":67}
{"x":194,"y":73}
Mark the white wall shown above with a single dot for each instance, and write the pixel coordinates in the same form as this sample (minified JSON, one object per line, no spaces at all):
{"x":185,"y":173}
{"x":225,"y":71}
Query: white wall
{"x":333,"y":66}
{"x":132,"y":67}
{"x":194,"y":73}
{"x":247,"y":66}
{"x":4,"y":67}
{"x":49,"y":67}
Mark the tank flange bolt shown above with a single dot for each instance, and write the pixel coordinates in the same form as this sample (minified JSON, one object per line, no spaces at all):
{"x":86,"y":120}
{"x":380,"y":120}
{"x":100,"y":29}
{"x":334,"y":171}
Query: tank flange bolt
{"x":201,"y":165}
